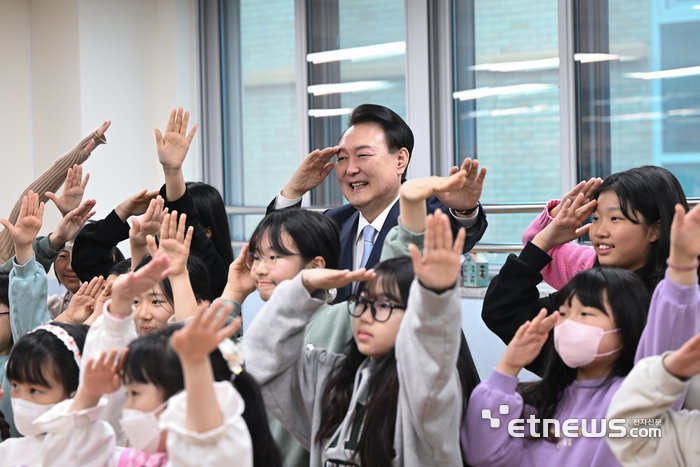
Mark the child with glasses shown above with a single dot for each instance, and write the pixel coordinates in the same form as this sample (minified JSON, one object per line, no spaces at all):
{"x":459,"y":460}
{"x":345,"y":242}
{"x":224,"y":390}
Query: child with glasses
{"x":395,"y":398}
{"x":289,"y":241}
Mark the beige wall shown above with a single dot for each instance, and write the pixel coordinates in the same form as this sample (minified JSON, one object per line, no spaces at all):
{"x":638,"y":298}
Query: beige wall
{"x":68,"y":65}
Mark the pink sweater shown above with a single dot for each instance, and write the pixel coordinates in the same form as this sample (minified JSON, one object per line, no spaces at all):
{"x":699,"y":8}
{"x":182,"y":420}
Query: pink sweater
{"x":567,"y":260}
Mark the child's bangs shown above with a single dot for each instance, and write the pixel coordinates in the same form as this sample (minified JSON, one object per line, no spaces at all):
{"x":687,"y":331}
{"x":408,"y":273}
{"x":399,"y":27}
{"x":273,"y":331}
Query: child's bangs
{"x":384,"y":281}
{"x":31,"y":367}
{"x":590,"y":289}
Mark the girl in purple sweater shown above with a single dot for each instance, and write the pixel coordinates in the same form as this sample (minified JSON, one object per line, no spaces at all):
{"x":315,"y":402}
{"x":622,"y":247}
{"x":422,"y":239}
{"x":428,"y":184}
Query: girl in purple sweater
{"x":599,"y":334}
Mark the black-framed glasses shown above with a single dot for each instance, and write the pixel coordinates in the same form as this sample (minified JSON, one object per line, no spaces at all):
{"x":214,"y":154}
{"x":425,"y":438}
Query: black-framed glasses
{"x":253,"y":259}
{"x":381,"y":309}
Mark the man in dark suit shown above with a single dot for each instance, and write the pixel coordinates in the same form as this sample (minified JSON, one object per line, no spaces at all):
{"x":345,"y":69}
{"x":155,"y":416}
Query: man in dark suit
{"x":373,"y":155}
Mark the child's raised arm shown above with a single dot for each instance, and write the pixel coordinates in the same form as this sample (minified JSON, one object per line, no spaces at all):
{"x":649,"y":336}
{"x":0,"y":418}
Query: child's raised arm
{"x":127,"y":286}
{"x":27,"y":227}
{"x":150,"y":224}
{"x":172,"y":151}
{"x":175,"y":244}
{"x":685,"y":246}
{"x":99,"y":376}
{"x":415,"y":192}
{"x":82,"y":304}
{"x":193,"y":344}
{"x":73,"y":190}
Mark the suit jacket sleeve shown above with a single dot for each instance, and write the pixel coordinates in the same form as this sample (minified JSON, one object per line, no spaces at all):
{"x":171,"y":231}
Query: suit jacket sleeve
{"x":474,"y":233}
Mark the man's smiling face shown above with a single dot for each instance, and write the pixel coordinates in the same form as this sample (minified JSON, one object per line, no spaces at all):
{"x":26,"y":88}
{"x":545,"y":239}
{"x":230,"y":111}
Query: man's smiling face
{"x":369,"y":175}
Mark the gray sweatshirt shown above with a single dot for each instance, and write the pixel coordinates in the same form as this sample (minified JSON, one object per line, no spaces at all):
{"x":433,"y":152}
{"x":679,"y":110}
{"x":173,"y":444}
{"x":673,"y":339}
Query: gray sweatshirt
{"x":292,"y":378}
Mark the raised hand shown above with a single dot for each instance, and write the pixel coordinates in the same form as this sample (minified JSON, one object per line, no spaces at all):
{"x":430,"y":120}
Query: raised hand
{"x":527,"y":343}
{"x":317,"y":278}
{"x":567,"y":225}
{"x":69,"y":226}
{"x":312,"y":171}
{"x":99,"y":376}
{"x":468,"y":195}
{"x":685,"y":236}
{"x":586,"y":188}
{"x":135,"y":205}
{"x":100,"y":301}
{"x":82,"y":305}
{"x":240,"y":283}
{"x":27,"y":227}
{"x":685,"y":245}
{"x":203,"y":333}
{"x":99,"y":133}
{"x":127,"y":286}
{"x":73,"y":190}
{"x":173,"y":147}
{"x":685,"y":362}
{"x":438,"y":268}
{"x":420,"y":189}
{"x":150,"y":223}
{"x":174,"y":243}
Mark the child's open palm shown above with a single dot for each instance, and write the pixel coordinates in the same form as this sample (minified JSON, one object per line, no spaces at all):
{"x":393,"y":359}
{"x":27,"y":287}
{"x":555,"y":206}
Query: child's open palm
{"x":566,"y":226}
{"x":73,"y":190}
{"x":82,"y":304}
{"x":685,"y":231}
{"x":173,"y":147}
{"x":685,"y":362}
{"x":527,"y":343}
{"x":419,"y":189}
{"x":317,"y":278}
{"x":204,"y":332}
{"x":101,"y":375}
{"x":174,"y":243}
{"x":29,"y":221}
{"x":150,"y":223}
{"x":438,"y":268}
{"x":127,"y":286}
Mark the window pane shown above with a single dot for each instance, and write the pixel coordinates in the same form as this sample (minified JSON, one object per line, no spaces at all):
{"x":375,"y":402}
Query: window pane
{"x":262,"y":103}
{"x":356,"y":56}
{"x":507,"y":103}
{"x":648,"y":76}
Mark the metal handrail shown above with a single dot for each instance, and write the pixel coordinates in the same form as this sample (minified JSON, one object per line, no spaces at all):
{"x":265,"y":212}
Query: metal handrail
{"x":478,"y":248}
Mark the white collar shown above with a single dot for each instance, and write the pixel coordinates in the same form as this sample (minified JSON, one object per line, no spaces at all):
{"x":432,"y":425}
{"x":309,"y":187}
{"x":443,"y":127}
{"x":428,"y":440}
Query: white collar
{"x":377,"y":224}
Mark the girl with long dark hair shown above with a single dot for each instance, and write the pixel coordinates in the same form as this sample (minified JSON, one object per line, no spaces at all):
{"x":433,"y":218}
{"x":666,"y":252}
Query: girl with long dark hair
{"x":396,"y":397}
{"x":599,"y":327}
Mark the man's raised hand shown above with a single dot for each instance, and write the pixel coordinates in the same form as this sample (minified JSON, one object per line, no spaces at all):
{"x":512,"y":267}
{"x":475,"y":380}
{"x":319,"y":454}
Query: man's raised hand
{"x":312,"y":171}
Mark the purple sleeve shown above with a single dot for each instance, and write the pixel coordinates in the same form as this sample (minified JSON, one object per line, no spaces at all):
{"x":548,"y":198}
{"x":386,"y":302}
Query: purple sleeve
{"x":674,"y":317}
{"x":484,"y":443}
{"x":567,"y":260}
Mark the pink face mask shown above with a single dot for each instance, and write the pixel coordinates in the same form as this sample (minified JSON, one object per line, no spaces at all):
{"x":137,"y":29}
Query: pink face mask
{"x":577,"y":343}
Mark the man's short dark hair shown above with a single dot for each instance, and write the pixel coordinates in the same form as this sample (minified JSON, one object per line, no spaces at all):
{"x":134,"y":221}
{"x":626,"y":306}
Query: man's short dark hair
{"x":397,"y":133}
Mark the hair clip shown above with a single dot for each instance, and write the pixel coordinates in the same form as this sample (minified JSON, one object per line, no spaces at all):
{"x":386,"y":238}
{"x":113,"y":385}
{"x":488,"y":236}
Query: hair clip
{"x":233,"y":356}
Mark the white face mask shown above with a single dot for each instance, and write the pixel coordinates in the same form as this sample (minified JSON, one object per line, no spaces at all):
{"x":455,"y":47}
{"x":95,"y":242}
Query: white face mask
{"x":25,"y":413}
{"x":142,"y":428}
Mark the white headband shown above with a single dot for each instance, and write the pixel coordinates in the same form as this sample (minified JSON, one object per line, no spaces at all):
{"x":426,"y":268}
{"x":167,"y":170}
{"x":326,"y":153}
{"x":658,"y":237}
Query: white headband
{"x":66,"y":338}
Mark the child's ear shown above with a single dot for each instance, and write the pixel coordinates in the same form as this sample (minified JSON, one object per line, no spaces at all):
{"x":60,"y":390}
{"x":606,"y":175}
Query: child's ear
{"x":316,"y":263}
{"x":654,"y":231}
